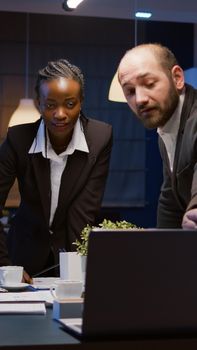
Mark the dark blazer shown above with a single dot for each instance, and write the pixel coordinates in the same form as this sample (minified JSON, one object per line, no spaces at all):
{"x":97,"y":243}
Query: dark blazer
{"x":30,"y":239}
{"x":179,"y":189}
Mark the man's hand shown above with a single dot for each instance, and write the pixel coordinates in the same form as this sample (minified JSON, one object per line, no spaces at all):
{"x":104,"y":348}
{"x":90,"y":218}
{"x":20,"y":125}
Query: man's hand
{"x":190,"y":219}
{"x":27,"y":278}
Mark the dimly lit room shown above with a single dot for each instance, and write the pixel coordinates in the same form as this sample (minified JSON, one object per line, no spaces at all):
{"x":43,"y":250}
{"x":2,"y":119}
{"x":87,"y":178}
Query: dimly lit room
{"x":116,"y":183}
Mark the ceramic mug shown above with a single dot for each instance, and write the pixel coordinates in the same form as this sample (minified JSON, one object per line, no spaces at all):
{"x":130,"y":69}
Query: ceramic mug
{"x":11,"y":275}
{"x":70,"y":266}
{"x":66,"y":289}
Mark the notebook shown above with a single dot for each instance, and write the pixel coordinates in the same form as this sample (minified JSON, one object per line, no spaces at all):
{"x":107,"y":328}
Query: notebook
{"x":139,"y":283}
{"x":37,"y":308}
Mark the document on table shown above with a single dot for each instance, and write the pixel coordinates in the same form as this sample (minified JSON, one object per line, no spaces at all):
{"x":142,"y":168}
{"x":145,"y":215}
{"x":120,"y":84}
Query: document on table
{"x":44,"y":282}
{"x":36,"y":296}
{"x":23,"y":308}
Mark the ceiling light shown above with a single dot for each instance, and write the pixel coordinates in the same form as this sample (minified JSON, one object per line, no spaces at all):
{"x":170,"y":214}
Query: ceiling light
{"x":26,"y":111}
{"x":70,"y":5}
{"x":143,"y":14}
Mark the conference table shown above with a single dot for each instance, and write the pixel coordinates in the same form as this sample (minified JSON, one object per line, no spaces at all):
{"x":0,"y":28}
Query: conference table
{"x":42,"y":332}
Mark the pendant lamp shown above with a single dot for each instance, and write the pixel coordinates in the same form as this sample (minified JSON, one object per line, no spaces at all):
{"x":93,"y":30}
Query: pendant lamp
{"x":26,"y":111}
{"x":115,"y":91}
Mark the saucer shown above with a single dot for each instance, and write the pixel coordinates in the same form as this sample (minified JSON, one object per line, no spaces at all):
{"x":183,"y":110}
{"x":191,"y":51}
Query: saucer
{"x":15,"y":286}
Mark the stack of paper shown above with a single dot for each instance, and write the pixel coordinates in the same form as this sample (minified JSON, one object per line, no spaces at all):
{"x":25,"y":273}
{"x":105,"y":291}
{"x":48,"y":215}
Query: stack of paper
{"x":22,"y":308}
{"x":37,"y":296}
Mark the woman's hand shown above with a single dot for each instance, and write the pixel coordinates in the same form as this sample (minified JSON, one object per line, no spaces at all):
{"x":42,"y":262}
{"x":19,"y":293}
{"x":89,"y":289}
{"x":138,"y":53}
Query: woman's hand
{"x":27,"y":278}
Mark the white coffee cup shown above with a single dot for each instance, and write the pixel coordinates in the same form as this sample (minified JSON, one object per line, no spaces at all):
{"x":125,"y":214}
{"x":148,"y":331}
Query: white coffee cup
{"x":11,"y":275}
{"x":66,"y":289}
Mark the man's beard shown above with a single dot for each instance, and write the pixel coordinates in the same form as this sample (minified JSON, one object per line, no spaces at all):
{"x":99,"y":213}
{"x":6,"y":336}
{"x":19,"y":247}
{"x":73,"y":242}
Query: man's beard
{"x":160,"y":116}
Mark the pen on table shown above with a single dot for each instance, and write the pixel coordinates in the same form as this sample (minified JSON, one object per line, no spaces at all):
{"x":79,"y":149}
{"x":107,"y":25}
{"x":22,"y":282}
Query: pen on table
{"x":61,"y":250}
{"x":45,"y":270}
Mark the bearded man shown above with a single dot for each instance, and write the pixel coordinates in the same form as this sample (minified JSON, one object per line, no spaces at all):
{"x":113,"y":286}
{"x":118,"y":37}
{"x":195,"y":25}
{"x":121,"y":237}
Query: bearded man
{"x":154,"y":87}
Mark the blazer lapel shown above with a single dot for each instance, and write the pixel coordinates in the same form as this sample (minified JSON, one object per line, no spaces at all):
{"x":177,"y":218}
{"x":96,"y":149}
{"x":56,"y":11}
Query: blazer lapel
{"x":189,"y":98}
{"x":41,"y":167}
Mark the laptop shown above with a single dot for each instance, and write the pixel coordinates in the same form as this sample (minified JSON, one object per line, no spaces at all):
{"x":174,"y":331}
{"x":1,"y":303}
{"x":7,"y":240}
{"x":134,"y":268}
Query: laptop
{"x":139,"y":283}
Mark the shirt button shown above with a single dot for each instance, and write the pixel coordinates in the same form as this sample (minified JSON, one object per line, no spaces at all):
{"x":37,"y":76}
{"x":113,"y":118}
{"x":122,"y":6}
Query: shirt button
{"x":51,"y":232}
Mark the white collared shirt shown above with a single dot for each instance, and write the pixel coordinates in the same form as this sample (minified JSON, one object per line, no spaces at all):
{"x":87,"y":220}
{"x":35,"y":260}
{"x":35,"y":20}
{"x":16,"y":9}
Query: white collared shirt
{"x":169,"y":131}
{"x":58,"y":161}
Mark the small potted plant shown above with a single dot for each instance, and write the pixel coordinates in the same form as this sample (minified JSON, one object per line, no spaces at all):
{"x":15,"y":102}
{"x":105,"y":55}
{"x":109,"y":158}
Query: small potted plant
{"x":82,"y":245}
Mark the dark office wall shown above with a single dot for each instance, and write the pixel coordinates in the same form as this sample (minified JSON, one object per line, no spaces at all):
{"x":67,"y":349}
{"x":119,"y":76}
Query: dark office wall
{"x":96,"y":45}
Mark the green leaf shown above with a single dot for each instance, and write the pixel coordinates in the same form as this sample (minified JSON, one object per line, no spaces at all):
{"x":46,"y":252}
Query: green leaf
{"x":82,"y":245}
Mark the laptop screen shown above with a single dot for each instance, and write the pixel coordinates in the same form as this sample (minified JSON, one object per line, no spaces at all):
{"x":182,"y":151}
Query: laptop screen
{"x":141,"y":282}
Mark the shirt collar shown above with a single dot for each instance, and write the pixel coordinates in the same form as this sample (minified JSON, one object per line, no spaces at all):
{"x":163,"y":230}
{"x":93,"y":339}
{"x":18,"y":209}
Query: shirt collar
{"x":172,"y":125}
{"x":78,"y":142}
{"x":38,"y":144}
